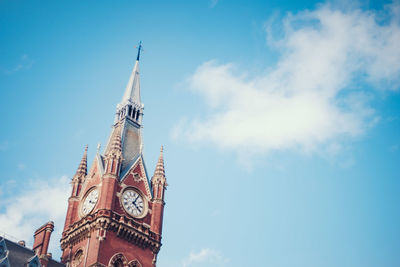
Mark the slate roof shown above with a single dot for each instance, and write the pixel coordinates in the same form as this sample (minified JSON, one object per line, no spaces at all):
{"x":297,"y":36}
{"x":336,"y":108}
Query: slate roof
{"x":19,"y":256}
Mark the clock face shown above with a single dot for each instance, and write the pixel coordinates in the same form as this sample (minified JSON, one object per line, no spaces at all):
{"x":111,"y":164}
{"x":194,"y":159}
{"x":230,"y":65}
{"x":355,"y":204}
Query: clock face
{"x":133,"y":203}
{"x":90,"y":201}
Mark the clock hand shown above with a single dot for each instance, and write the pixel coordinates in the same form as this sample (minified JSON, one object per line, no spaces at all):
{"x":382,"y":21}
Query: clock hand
{"x":135,"y":199}
{"x":136,"y":207}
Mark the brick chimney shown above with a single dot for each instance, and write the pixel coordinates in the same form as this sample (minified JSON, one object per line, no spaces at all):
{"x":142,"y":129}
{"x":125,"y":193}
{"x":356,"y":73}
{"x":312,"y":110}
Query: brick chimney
{"x":41,"y":241}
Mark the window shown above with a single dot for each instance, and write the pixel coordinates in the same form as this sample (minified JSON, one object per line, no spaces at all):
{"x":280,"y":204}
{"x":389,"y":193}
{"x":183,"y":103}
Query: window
{"x":78,"y":257}
{"x":118,"y":263}
{"x":118,"y":260}
{"x":135,"y":263}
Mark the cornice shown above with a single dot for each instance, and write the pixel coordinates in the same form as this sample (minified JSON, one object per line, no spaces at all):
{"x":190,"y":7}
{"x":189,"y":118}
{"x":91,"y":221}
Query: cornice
{"x":128,"y":229}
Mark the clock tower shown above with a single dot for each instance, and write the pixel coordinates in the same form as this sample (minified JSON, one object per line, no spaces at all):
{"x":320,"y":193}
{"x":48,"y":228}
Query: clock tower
{"x":115,"y":211}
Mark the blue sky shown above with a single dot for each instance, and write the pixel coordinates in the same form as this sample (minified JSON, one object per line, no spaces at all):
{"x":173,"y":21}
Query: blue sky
{"x":280,"y":121}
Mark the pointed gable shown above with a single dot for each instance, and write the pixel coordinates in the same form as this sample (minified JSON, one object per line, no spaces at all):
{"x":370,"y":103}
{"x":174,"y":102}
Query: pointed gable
{"x":137,"y":177}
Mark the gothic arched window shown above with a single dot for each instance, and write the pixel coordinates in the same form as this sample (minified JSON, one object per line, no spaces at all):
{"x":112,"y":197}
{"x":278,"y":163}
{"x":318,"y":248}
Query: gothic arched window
{"x":118,"y":260}
{"x":118,"y":263}
{"x":77,"y":259}
{"x":134,"y":263}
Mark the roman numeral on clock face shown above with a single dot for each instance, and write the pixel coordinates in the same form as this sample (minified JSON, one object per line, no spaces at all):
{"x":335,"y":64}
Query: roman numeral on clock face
{"x":132,"y":202}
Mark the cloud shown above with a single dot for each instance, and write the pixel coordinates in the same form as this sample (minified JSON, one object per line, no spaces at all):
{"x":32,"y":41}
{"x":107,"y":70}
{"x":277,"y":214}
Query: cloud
{"x":37,"y":203}
{"x":213,"y":3}
{"x":205,"y":256}
{"x":21,"y":166}
{"x":4,"y":146}
{"x":24,"y":63}
{"x":317,"y":95}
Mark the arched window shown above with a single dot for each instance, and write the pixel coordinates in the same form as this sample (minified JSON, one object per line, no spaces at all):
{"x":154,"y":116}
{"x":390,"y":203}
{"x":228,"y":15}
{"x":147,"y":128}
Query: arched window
{"x":118,"y":260}
{"x":118,"y":263}
{"x":130,"y":111}
{"x":134,"y":263}
{"x":77,"y":259}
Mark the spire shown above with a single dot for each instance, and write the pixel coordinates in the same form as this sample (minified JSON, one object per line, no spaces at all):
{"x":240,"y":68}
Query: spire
{"x":138,"y":53}
{"x":98,"y":148}
{"x":132,"y":91}
{"x":116,"y":147}
{"x":82,"y":169}
{"x":158,"y":184}
{"x":114,"y":155}
{"x":159,"y":171}
{"x":128,"y":119}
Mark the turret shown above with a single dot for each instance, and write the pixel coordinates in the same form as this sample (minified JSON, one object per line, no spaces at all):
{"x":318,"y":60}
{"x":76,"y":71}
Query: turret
{"x":113,"y":157}
{"x":113,"y":160}
{"x":76,"y":182}
{"x":159,"y":184}
{"x":80,"y":174}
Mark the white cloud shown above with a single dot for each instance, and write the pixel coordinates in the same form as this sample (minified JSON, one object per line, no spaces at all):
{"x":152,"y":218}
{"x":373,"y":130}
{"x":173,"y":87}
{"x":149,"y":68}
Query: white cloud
{"x":4,"y":146}
{"x":314,"y":97}
{"x":21,"y":166}
{"x":37,"y":203}
{"x":205,"y":256}
{"x":25,"y":63}
{"x":213,"y":3}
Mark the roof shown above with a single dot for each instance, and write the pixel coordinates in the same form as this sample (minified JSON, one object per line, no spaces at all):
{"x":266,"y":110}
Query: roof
{"x":19,"y":255}
{"x":132,"y":91}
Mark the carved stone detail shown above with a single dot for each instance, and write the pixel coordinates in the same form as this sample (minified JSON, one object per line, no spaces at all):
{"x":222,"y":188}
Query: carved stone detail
{"x":106,"y":220}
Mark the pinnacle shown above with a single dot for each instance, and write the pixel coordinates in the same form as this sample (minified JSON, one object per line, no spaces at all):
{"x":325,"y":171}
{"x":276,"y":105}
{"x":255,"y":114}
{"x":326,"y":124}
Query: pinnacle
{"x":116,"y":146}
{"x":160,"y":171}
{"x":82,"y":169}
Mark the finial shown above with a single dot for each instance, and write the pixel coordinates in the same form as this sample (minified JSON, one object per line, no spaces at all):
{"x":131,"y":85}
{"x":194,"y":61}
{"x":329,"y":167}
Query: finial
{"x":98,"y":148}
{"x":162,"y":149}
{"x":138,"y":53}
{"x":86,"y":148}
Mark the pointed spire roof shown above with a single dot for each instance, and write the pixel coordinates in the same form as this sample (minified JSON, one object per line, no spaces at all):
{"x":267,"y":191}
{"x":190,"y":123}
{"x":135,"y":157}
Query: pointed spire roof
{"x":160,"y":171}
{"x":82,"y":168}
{"x":132,"y":91}
{"x":116,"y":146}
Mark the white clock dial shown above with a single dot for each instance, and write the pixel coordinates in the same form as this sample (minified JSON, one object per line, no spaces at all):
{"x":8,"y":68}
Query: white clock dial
{"x":90,"y":201}
{"x":133,"y":203}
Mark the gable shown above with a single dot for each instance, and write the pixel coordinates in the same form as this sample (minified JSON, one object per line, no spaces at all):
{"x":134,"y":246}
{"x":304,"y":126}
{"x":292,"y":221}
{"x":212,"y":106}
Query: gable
{"x":137,"y":177}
